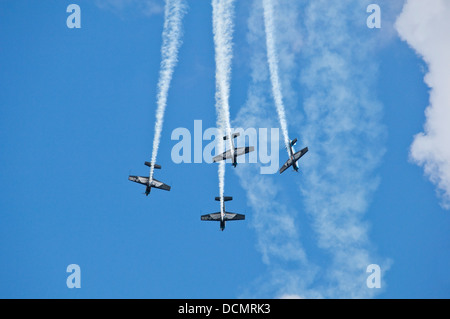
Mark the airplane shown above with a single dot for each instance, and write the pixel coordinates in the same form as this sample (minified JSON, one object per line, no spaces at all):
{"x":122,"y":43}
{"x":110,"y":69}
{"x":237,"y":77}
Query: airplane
{"x":149,"y":183}
{"x":234,"y":152}
{"x":293,"y":158}
{"x":223,"y":216}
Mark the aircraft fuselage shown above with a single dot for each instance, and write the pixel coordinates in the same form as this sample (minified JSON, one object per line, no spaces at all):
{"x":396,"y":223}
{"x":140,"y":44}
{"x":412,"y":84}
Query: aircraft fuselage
{"x":291,"y":153}
{"x":222,"y":217}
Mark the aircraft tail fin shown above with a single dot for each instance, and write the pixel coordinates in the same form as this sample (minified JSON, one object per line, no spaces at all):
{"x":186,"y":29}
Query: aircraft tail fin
{"x":150,"y":164}
{"x":225,"y":198}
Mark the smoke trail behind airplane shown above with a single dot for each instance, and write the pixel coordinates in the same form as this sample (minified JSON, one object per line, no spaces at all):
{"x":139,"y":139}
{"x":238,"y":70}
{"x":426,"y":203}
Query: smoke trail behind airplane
{"x":223,"y":35}
{"x":171,"y":37}
{"x":272,"y":59}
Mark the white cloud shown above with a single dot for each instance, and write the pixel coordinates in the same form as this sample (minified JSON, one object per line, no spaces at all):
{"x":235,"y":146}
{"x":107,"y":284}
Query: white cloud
{"x":341,"y":124}
{"x":275,"y":222}
{"x":425,"y":26}
{"x":345,"y":135}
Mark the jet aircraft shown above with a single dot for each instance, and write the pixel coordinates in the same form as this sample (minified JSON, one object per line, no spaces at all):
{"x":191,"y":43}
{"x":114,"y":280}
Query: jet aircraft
{"x":293,"y":158}
{"x":149,"y":183}
{"x":223,"y":216}
{"x":234,"y":152}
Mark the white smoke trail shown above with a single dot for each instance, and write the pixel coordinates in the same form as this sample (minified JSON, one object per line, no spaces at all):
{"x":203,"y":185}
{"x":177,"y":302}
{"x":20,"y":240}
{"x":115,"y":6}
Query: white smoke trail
{"x":173,"y":15}
{"x":272,"y":59}
{"x":223,"y":36}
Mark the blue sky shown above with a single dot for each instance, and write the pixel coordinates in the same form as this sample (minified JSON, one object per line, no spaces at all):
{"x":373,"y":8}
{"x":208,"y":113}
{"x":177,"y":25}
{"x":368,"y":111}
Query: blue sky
{"x":77,"y":112}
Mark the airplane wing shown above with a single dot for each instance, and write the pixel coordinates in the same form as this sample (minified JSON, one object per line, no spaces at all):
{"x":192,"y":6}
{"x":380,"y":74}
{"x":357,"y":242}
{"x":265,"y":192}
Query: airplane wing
{"x":157,"y":184}
{"x":211,"y":217}
{"x":296,"y":157}
{"x":239,"y":151}
{"x":138,"y":179}
{"x":222,"y":156}
{"x":300,"y":154}
{"x":244,"y":150}
{"x":234,"y":216}
{"x":286,"y":165}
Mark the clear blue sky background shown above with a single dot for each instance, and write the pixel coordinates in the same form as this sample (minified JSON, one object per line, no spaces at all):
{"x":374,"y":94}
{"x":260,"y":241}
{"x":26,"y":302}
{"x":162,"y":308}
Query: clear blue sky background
{"x":76,"y":118}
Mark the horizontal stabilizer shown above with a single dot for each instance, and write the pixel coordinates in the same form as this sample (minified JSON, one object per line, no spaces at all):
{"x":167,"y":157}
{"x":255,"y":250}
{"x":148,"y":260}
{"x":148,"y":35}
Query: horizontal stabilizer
{"x":234,"y":135}
{"x":293,"y":141}
{"x":225,"y":198}
{"x":150,"y":164}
